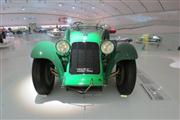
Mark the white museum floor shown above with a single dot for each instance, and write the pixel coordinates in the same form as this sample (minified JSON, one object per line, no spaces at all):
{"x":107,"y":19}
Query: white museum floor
{"x":156,"y":95}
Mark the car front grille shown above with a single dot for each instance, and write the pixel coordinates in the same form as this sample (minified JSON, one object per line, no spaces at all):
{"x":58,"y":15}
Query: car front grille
{"x":85,"y":58}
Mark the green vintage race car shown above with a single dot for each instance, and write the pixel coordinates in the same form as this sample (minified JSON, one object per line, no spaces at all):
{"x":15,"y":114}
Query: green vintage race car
{"x":83,"y":60}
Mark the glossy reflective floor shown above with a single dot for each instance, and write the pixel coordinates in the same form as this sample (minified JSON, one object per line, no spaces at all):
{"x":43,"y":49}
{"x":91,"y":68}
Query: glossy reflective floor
{"x":156,"y":95}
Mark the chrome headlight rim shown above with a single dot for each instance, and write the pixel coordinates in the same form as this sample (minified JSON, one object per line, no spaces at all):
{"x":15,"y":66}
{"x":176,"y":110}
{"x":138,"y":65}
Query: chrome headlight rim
{"x":61,"y":51}
{"x":107,"y":52}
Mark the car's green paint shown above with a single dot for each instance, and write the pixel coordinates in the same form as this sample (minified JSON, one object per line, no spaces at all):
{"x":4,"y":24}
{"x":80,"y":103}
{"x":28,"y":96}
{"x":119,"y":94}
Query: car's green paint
{"x":67,"y":35}
{"x":122,"y":52}
{"x":47,"y":50}
{"x":84,"y":79}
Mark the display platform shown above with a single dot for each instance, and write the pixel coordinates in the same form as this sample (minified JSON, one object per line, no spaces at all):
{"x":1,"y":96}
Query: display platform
{"x":156,"y":95}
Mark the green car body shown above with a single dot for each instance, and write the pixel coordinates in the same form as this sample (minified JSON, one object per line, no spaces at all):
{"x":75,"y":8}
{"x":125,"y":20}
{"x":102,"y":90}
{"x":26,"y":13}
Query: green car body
{"x":47,"y":50}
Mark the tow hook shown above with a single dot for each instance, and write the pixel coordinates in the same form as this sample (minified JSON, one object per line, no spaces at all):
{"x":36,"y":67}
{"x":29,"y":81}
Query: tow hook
{"x":82,"y":91}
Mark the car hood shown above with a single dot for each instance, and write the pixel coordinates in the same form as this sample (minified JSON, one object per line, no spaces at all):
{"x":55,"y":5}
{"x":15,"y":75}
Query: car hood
{"x":78,"y":36}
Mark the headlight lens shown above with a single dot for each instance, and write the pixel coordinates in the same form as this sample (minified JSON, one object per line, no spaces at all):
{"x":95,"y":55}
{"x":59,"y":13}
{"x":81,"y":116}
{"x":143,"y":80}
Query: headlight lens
{"x":107,"y":47}
{"x":63,"y":47}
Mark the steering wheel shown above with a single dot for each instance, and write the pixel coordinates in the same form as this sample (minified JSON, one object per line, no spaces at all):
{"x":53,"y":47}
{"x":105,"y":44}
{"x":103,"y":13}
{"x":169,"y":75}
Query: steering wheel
{"x":75,"y":25}
{"x":100,"y":26}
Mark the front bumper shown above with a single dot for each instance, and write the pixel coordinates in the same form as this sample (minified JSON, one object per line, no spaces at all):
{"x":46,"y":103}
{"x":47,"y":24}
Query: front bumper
{"x":83,"y":80}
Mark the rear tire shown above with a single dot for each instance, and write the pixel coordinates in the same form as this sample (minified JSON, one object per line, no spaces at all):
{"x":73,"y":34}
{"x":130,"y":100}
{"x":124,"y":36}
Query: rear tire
{"x":42,"y":77}
{"x":126,"y":77}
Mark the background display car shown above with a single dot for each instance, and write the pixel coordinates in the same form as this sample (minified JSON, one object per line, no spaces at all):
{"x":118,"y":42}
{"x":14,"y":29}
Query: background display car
{"x":152,"y":39}
{"x":40,"y":30}
{"x":20,"y":31}
{"x":84,"y":60}
{"x":119,"y":39}
{"x":63,"y":28}
{"x":2,"y":35}
{"x":55,"y":33}
{"x":5,"y":38}
{"x":147,"y":39}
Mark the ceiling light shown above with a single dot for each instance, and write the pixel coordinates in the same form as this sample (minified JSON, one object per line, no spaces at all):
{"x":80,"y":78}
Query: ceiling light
{"x":93,"y":7}
{"x":141,"y":18}
{"x":22,"y":8}
{"x":60,"y":5}
{"x":73,"y":7}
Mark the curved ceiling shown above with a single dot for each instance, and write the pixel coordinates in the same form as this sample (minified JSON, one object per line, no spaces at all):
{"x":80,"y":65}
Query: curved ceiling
{"x":14,"y":12}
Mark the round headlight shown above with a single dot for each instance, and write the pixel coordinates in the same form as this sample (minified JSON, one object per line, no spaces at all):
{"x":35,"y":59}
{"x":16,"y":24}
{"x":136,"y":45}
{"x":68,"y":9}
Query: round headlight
{"x":63,"y":47}
{"x":107,"y":47}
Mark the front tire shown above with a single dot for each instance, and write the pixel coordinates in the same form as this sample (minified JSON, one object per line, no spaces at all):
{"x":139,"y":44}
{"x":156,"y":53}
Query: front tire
{"x":126,"y":77}
{"x":42,"y":77}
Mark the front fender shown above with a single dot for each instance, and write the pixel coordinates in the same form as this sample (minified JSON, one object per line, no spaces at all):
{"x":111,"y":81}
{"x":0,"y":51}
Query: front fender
{"x":47,"y":50}
{"x":122,"y":52}
{"x":125,"y":51}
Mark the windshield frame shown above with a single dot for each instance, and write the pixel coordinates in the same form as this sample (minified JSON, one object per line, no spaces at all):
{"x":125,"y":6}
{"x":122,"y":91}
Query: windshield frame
{"x":87,"y":28}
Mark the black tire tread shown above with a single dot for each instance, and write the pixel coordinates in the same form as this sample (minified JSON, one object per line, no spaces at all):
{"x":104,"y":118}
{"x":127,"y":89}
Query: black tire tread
{"x":40,"y":76}
{"x":129,"y":79}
